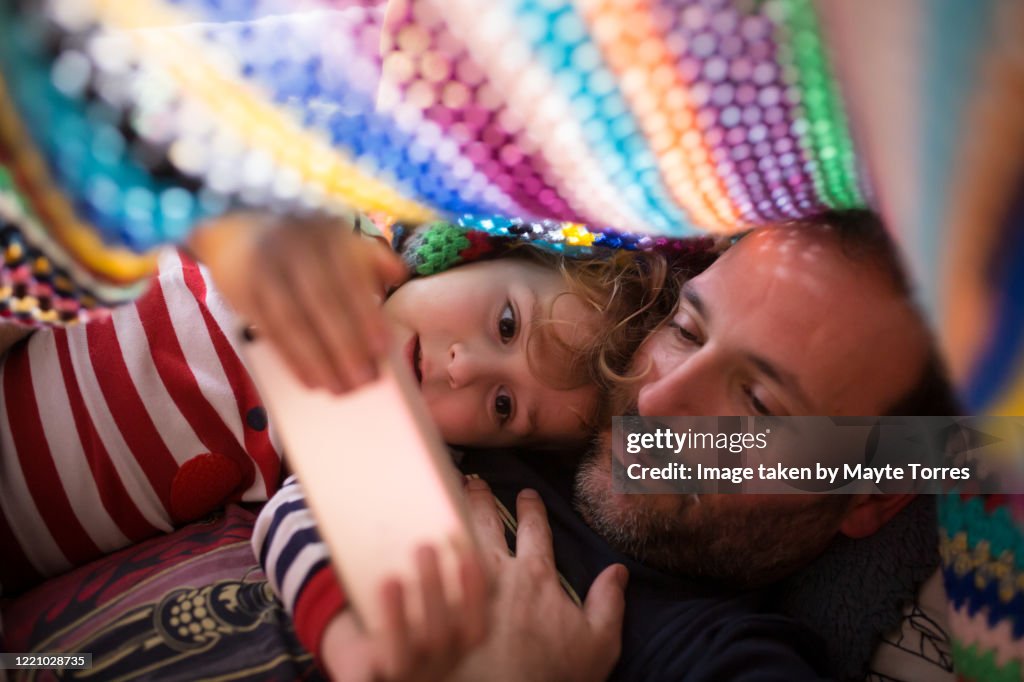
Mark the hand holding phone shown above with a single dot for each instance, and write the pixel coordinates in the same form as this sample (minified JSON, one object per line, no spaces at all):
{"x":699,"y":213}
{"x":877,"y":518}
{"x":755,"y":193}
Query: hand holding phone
{"x":377,"y":477}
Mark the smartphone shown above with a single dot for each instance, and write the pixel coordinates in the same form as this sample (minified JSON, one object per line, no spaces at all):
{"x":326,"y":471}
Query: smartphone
{"x":377,"y":476}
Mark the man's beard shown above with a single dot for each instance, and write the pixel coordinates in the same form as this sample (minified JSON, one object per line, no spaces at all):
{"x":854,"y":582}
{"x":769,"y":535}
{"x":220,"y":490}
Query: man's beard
{"x":707,"y":537}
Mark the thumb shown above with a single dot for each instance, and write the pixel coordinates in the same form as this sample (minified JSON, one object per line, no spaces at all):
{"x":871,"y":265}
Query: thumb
{"x":606,"y":603}
{"x":389,"y":267}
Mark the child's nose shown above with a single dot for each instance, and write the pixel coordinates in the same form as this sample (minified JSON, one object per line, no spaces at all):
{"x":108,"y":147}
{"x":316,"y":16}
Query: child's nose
{"x":467,"y":365}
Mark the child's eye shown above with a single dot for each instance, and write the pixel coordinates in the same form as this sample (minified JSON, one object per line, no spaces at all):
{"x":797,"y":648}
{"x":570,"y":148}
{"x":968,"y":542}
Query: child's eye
{"x":507,"y":323}
{"x":503,"y":406}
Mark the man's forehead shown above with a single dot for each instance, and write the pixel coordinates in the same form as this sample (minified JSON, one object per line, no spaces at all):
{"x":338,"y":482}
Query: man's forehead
{"x":772,"y":264}
{"x":789,"y":254}
{"x":794,"y":296}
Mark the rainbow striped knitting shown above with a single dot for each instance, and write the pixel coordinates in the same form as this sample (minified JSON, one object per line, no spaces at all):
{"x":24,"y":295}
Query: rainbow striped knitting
{"x":653,"y":116}
{"x":982,"y":543}
{"x":124,"y":124}
{"x":580,"y":124}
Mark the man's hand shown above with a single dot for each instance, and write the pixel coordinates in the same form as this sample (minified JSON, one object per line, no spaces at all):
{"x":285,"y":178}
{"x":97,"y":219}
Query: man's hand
{"x":538,"y":633}
{"x":402,"y":651}
{"x":309,"y":285}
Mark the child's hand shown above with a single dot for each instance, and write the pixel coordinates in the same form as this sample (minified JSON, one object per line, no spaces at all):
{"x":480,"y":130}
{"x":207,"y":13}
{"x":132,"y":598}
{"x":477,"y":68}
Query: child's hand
{"x":311,"y":286}
{"x":427,"y":651}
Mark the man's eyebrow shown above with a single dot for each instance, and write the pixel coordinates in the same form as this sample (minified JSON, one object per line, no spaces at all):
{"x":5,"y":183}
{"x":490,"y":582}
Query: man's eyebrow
{"x":779,"y":376}
{"x":689,"y":292}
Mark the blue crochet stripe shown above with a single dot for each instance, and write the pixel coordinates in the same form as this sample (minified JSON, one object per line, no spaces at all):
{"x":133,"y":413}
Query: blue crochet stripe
{"x":996,"y":527}
{"x":610,"y":127}
{"x":373,"y":140}
{"x":962,"y":591}
{"x":68,"y":133}
{"x":549,"y":234}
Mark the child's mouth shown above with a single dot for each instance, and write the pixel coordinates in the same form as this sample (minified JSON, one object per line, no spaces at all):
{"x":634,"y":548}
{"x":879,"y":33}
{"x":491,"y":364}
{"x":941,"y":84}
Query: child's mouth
{"x":416,"y":359}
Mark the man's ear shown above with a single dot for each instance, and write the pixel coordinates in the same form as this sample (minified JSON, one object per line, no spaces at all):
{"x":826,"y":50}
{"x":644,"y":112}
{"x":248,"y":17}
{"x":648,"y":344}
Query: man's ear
{"x":868,"y":513}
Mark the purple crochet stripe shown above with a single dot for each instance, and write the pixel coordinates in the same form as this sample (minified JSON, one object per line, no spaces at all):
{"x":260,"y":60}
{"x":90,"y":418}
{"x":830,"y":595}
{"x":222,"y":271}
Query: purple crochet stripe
{"x":729,"y":61}
{"x":498,"y":155}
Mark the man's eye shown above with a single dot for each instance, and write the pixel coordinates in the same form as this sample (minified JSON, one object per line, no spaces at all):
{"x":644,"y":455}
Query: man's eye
{"x":755,"y":403}
{"x":507,"y":323}
{"x":503,"y":406}
{"x":685,"y":334}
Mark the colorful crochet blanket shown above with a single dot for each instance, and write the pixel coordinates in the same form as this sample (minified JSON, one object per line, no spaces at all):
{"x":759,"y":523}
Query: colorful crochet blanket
{"x":124,"y":124}
{"x":982,"y":544}
{"x":697,"y":117}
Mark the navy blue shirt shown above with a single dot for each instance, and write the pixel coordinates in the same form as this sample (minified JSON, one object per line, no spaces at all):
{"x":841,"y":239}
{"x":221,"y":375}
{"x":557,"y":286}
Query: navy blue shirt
{"x":674,"y":629}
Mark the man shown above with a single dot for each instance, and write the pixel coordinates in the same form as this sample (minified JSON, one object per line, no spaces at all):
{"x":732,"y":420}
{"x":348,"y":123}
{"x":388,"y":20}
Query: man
{"x":789,"y":320}
{"x":813,"y":319}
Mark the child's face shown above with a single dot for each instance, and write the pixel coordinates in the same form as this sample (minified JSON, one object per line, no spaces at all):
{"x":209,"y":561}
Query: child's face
{"x":465,"y":333}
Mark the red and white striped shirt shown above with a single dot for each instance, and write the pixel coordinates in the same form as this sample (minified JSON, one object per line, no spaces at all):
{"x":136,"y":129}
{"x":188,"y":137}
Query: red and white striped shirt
{"x":126,"y":427}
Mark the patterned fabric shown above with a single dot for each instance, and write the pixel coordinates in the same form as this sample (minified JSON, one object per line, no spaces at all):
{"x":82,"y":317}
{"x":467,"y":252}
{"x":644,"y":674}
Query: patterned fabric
{"x":983,"y":565}
{"x":33,"y":289}
{"x":661,"y":117}
{"x":434,"y":247}
{"x":127,"y":427}
{"x":117,"y":145}
{"x":166,"y":608}
{"x":919,"y":648}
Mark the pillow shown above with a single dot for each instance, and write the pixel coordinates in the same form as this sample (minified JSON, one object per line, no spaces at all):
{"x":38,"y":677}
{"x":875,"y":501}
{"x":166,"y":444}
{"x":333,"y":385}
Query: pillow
{"x":194,"y":600}
{"x":919,"y":648}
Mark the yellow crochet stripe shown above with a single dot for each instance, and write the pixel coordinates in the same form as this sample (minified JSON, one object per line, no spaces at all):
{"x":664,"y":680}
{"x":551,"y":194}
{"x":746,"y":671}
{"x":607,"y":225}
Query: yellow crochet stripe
{"x":81,"y":243}
{"x":986,"y":568}
{"x":251,"y":114}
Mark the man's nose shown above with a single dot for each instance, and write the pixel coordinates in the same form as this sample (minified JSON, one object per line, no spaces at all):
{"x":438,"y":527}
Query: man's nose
{"x":686,"y":389}
{"x":467,"y":365}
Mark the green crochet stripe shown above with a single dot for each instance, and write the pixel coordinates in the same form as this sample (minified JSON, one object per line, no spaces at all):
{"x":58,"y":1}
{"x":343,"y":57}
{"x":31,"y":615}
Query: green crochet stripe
{"x":441,"y":248}
{"x":976,"y":666}
{"x":823,"y":131}
{"x":996,"y":527}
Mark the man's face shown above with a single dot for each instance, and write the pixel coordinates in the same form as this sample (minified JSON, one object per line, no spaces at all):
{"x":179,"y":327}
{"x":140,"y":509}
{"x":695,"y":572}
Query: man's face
{"x":784,"y":323}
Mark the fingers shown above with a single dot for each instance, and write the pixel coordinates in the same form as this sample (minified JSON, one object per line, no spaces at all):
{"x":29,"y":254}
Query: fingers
{"x":316,"y":299}
{"x":446,"y":628}
{"x":605,"y":605}
{"x":330,"y":326}
{"x":352,"y":265}
{"x":475,"y":600}
{"x":533,"y":536}
{"x":395,"y":655}
{"x":278,"y":321}
{"x":390,"y":269}
{"x":487,"y":524}
{"x":437,"y":636}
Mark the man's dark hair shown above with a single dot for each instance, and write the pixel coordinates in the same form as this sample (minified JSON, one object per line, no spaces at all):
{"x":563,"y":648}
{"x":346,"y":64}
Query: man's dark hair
{"x":932,"y":395}
{"x":864,"y":238}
